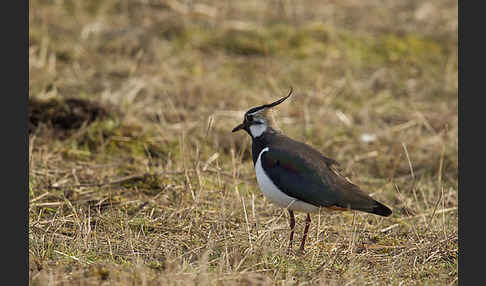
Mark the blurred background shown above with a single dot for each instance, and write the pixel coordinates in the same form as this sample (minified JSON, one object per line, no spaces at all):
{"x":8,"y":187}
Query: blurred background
{"x":122,"y":88}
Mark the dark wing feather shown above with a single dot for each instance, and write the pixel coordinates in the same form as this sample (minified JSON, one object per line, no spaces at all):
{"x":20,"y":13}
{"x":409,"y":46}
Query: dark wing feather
{"x":298,"y":179}
{"x":313,"y":181}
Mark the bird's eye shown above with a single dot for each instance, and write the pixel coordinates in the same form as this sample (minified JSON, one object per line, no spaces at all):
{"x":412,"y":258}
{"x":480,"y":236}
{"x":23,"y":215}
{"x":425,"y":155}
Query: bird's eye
{"x":249,"y":117}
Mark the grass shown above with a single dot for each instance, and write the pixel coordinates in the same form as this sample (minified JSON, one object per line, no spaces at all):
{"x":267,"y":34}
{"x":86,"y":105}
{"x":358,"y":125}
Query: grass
{"x":136,"y":178}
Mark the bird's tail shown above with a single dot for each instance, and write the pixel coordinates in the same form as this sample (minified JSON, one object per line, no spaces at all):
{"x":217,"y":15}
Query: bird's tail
{"x":380,"y":209}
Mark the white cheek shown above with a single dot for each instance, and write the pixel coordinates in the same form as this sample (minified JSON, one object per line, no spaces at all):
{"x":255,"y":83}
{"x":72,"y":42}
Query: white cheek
{"x":257,"y":129}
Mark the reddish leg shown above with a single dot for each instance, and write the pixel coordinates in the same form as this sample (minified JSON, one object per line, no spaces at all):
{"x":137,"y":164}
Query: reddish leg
{"x":292,"y":226}
{"x":306,"y":230}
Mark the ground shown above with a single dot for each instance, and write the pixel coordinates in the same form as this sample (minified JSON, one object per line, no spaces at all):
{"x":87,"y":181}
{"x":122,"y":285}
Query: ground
{"x":136,"y":179}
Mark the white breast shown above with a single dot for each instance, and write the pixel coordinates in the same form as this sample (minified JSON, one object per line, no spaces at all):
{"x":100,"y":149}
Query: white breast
{"x":274,"y":195}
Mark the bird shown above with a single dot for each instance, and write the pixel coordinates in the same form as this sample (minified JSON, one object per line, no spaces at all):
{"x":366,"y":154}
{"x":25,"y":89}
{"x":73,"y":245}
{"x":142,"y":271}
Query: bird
{"x":295,"y":176}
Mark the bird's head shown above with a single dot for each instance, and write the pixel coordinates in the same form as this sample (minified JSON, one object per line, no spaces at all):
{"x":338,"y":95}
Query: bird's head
{"x":255,"y":122}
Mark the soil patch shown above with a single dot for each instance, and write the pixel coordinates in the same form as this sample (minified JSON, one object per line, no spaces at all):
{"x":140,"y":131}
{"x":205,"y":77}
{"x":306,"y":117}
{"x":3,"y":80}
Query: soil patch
{"x":64,"y":115}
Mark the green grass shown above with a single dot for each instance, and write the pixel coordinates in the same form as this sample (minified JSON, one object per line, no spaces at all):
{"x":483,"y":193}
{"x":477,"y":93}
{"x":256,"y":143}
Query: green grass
{"x":136,"y":178}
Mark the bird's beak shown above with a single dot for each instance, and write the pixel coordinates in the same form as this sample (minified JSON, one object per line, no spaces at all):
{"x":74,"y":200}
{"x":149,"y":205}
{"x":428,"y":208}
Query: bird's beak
{"x":241,"y":126}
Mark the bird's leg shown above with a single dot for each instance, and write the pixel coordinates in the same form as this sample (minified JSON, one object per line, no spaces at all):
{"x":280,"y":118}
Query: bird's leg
{"x":292,"y":226}
{"x":306,"y":230}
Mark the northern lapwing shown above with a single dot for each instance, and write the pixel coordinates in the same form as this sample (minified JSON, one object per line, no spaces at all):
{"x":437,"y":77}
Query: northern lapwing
{"x":295,"y":176}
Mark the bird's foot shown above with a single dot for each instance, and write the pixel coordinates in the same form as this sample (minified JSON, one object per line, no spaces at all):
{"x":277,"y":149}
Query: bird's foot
{"x":297,"y":252}
{"x":301,"y":251}
{"x":290,"y":250}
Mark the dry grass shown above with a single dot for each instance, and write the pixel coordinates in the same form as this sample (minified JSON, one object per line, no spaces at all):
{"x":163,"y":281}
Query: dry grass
{"x":136,"y":179}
